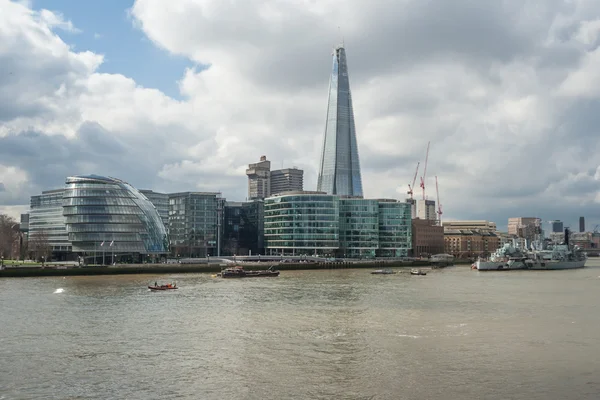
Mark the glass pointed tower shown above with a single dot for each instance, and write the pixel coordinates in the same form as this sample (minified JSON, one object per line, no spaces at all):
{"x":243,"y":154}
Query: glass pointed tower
{"x":339,"y":171}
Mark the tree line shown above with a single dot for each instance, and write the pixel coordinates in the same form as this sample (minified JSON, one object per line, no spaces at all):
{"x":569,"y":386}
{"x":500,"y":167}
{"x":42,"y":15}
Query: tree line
{"x":14,"y":245}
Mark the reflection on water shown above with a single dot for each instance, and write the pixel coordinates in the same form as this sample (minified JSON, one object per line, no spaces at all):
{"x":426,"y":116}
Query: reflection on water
{"x":348,"y":334}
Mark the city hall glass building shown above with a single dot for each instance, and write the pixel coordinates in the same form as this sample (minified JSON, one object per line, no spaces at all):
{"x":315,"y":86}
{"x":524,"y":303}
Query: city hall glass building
{"x":339,"y":171}
{"x":111,"y":216}
{"x":316,"y":223}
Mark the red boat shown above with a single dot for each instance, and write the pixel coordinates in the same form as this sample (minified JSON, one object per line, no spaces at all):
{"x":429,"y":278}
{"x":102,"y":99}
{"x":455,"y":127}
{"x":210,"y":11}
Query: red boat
{"x":168,"y":286}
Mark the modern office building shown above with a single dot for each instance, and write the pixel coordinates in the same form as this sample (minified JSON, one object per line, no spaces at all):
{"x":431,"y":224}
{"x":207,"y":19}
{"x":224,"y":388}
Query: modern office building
{"x":108,"y":218}
{"x":316,"y":223}
{"x":253,"y":233}
{"x":286,"y":180}
{"x":581,"y":224}
{"x":195,"y":220}
{"x":556,"y":226}
{"x":413,"y":207}
{"x":339,"y":171}
{"x":359,"y":227}
{"x":161,"y":202}
{"x":302,"y":223}
{"x":426,"y":210}
{"x":242,"y":228}
{"x":259,"y":179}
{"x":395,"y":228}
{"x":48,"y":236}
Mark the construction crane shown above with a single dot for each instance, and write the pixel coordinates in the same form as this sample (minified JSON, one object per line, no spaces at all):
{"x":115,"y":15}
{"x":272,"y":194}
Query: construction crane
{"x":411,"y":187}
{"x":425,"y":171}
{"x":437,"y":193}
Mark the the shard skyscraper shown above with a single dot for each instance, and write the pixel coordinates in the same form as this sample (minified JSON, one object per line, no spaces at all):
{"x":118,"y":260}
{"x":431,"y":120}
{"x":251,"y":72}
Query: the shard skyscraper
{"x":339,"y":171}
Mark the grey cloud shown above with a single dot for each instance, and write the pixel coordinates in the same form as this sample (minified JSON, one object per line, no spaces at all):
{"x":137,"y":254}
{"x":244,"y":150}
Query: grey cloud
{"x":48,"y":160}
{"x":2,"y":187}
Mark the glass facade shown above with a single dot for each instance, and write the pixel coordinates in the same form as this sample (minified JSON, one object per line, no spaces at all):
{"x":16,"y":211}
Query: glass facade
{"x":301,"y":223}
{"x":339,"y":171}
{"x":395,"y":229}
{"x":102,"y":211}
{"x":193,"y":223}
{"x":161,"y":202}
{"x":47,"y":223}
{"x":359,"y":228}
{"x":327,"y":225}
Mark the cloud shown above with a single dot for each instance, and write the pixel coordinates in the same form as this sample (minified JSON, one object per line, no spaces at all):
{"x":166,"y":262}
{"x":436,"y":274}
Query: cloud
{"x":57,"y":20}
{"x":506,"y":92}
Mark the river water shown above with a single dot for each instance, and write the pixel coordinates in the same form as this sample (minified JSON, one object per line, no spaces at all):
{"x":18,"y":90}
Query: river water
{"x":329,"y":334}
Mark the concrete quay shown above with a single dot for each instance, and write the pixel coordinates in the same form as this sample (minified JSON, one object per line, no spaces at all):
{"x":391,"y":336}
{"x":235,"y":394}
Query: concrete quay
{"x":58,"y":270}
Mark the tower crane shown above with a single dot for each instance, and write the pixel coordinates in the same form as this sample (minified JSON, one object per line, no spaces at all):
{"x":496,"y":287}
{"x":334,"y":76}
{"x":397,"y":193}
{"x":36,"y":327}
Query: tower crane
{"x":437,"y":193}
{"x":411,"y":187}
{"x":425,"y":171}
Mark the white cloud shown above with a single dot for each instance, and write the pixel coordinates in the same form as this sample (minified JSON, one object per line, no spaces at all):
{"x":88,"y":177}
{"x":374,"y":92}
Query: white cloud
{"x":57,"y":20}
{"x":507,"y":93}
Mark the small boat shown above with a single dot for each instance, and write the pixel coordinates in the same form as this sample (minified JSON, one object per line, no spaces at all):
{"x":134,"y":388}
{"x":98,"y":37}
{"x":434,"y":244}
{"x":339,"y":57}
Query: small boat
{"x":417,"y":272}
{"x":385,"y":271}
{"x":168,"y":286}
{"x":239,"y":272}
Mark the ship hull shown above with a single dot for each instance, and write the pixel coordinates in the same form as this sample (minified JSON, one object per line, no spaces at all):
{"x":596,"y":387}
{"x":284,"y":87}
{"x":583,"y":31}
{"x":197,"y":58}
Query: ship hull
{"x":497,"y":266}
{"x":535,"y":266}
{"x":557,"y":265}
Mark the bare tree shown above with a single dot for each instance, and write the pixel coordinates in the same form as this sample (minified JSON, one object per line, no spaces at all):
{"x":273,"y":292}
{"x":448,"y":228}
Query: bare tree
{"x":39,"y":246}
{"x":9,"y":233}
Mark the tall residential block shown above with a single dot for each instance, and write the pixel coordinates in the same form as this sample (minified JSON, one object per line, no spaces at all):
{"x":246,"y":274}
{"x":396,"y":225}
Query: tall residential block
{"x":259,"y":179}
{"x":581,"y":224}
{"x":339,"y":171}
{"x":426,"y":210}
{"x":286,"y":180}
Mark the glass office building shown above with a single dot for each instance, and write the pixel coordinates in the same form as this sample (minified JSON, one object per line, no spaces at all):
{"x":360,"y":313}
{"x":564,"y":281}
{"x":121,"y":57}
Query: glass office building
{"x":339,"y":171}
{"x":315,"y":223}
{"x":300,"y":223}
{"x":110,"y":216}
{"x":359,"y":227}
{"x":194,"y":222}
{"x":161,"y":202}
{"x":395,"y":228}
{"x":47,"y":231}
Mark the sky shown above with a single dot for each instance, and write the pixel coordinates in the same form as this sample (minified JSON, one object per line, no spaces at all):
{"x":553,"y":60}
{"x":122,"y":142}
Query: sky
{"x":182,"y":95}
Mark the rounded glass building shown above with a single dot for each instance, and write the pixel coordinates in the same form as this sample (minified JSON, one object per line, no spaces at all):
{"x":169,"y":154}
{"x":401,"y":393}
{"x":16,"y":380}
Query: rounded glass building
{"x":108,"y":215}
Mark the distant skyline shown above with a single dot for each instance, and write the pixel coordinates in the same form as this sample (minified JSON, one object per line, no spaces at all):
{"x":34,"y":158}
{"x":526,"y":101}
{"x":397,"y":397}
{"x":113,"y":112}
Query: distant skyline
{"x":182,"y":95}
